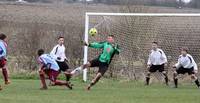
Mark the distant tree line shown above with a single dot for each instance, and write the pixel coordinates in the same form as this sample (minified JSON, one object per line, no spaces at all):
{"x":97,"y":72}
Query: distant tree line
{"x":170,"y":3}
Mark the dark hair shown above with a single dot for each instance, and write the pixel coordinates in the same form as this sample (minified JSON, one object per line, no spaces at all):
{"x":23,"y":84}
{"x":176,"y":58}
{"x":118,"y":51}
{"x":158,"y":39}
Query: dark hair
{"x":2,"y":36}
{"x":185,"y":49}
{"x":60,"y":37}
{"x":40,"y":52}
{"x":111,"y":36}
{"x":154,"y":42}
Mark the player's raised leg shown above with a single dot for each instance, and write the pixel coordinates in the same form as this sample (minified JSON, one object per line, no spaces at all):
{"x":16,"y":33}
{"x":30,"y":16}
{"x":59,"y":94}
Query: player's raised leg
{"x":94,"y":81}
{"x":103,"y":67}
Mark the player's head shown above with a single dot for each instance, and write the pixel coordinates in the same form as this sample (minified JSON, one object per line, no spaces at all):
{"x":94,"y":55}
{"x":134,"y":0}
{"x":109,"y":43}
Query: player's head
{"x":40,"y":52}
{"x":3,"y":36}
{"x":110,"y":39}
{"x":60,"y":40}
{"x":184,"y":50}
{"x":154,"y":45}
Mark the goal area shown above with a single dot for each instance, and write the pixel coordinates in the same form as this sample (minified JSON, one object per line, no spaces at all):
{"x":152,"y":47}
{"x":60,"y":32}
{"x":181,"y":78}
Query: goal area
{"x":135,"y":32}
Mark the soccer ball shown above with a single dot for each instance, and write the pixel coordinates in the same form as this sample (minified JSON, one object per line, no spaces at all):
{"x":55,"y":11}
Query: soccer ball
{"x":93,"y":32}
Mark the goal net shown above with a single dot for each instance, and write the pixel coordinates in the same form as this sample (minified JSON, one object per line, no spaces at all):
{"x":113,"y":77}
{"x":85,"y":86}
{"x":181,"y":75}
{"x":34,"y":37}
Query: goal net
{"x":135,"y":32}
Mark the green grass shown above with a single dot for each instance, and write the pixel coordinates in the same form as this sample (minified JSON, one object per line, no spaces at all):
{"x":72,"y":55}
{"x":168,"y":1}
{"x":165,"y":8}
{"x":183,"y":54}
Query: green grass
{"x":106,"y":91}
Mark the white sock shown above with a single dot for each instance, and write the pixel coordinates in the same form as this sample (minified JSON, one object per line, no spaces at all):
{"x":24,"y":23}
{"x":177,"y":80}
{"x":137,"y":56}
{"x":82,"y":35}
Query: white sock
{"x":76,"y":71}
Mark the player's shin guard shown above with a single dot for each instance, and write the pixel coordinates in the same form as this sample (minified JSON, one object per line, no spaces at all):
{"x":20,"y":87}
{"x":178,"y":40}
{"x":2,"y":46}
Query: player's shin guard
{"x":197,"y":82}
{"x":5,"y":75}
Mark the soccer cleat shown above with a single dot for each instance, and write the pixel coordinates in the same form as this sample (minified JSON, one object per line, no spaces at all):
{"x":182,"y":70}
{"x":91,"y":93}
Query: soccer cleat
{"x":43,"y":88}
{"x":69,"y":86}
{"x":88,"y":88}
{"x":7,"y":82}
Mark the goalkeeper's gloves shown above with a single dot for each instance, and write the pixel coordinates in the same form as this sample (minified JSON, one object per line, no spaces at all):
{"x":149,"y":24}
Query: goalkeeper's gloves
{"x":85,"y":43}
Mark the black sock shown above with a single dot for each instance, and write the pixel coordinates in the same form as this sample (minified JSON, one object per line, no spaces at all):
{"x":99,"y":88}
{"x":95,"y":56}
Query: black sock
{"x":68,"y":78}
{"x":176,"y":82}
{"x":166,"y":80}
{"x":147,"y":80}
{"x":197,"y":83}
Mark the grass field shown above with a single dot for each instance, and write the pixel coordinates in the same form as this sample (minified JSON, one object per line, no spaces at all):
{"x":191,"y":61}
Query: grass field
{"x":27,"y":91}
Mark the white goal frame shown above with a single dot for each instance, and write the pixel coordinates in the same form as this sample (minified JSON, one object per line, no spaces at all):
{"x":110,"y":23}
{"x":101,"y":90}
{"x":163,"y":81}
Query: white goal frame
{"x":88,"y":14}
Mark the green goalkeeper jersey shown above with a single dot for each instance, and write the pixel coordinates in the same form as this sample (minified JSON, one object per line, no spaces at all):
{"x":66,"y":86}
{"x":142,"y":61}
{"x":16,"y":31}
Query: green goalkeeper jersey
{"x":108,"y":52}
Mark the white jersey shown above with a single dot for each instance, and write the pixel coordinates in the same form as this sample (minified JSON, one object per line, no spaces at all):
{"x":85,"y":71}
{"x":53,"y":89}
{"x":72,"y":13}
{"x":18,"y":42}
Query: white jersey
{"x":186,"y":62}
{"x":58,"y":52}
{"x":46,"y":59}
{"x":157,"y":57}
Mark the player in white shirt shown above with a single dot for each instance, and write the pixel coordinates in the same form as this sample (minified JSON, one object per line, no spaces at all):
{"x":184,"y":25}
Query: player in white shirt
{"x":58,"y":53}
{"x":49,"y":67}
{"x":156,"y":62}
{"x":185,"y":64}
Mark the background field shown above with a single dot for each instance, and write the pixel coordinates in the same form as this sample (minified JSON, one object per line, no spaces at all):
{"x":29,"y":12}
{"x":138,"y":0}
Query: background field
{"x":106,"y":91}
{"x":33,"y":26}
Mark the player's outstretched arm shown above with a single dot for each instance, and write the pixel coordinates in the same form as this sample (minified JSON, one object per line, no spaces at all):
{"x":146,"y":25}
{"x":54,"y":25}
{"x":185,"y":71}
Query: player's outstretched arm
{"x":96,"y":45}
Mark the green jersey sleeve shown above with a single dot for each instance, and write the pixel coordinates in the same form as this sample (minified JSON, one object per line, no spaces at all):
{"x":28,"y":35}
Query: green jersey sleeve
{"x":96,"y":45}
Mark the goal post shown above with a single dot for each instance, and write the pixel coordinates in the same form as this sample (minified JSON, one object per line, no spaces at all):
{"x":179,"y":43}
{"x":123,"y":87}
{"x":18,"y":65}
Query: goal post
{"x":90,"y":14}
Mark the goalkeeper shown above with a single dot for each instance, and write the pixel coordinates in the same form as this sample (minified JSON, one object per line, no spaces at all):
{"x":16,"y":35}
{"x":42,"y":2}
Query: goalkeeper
{"x":109,"y":49}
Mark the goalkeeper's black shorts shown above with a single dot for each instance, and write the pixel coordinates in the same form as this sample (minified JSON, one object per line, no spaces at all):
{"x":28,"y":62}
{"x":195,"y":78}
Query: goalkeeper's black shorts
{"x":103,"y":67}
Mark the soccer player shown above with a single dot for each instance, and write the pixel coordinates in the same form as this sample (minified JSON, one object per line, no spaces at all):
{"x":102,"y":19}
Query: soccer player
{"x":58,"y":53}
{"x":156,"y":62}
{"x":49,"y":67}
{"x":186,"y":64}
{"x":3,"y":61}
{"x":109,"y":49}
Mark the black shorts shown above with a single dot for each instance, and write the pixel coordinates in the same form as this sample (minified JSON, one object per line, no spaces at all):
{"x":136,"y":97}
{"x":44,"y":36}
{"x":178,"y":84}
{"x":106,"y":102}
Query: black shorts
{"x":182,"y":70}
{"x":155,"y":68}
{"x":63,"y":66}
{"x":103,"y":67}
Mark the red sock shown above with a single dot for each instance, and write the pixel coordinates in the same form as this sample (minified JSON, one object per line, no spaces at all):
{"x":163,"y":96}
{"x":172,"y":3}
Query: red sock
{"x":42,"y":78}
{"x":5,"y":74}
